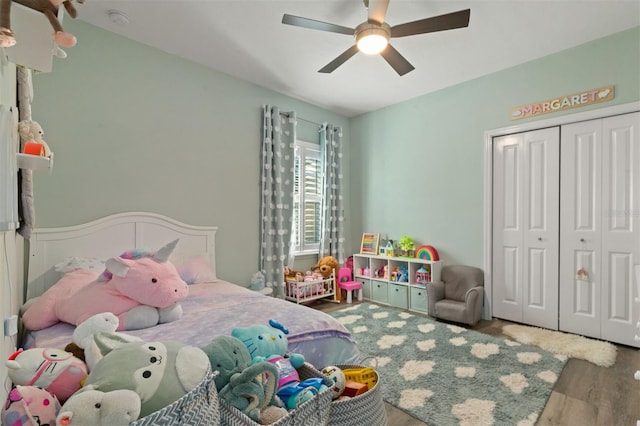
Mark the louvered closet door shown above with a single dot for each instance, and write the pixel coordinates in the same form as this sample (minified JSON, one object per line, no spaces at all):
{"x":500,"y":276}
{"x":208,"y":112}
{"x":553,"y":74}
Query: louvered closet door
{"x":600,"y":227}
{"x":525,"y":227}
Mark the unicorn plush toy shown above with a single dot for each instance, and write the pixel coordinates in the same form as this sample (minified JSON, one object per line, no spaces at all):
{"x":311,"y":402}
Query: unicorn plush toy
{"x":141,"y":288}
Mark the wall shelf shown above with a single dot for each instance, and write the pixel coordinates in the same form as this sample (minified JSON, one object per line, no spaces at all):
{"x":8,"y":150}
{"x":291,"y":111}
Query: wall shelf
{"x":35,"y":46}
{"x":34,"y":162}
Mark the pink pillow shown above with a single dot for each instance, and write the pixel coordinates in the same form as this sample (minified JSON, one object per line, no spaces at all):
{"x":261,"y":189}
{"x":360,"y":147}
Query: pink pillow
{"x":194,"y":269}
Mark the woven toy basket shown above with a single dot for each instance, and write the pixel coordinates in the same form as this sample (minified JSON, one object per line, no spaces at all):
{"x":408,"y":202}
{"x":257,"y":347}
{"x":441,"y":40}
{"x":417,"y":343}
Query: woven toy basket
{"x":199,"y":407}
{"x":364,"y":409}
{"x":314,"y":412}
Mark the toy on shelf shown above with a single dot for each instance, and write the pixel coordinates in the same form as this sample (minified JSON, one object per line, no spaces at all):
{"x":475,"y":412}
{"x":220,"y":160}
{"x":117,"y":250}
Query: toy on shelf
{"x":427,"y":252}
{"x":389,"y":249}
{"x":423,"y":276}
{"x":406,"y":245}
{"x":47,"y":7}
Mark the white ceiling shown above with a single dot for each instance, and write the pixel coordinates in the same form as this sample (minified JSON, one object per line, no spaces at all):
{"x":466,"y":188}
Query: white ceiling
{"x":246,"y":39}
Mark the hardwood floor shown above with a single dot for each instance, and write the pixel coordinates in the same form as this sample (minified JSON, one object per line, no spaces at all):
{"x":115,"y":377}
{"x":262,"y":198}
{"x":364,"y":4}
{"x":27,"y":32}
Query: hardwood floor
{"x":584,"y":394}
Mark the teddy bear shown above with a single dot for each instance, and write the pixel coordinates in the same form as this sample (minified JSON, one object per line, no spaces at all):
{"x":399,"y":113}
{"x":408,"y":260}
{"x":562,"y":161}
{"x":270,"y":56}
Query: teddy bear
{"x":49,"y":8}
{"x":31,"y":131}
{"x":326,"y":265}
{"x":92,"y":407}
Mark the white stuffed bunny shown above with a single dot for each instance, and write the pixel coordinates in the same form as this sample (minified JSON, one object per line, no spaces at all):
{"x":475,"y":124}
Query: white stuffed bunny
{"x":83,"y":335}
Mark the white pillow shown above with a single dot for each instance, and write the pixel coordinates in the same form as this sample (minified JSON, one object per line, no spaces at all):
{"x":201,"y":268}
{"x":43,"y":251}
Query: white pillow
{"x":74,"y":263}
{"x":194,"y":269}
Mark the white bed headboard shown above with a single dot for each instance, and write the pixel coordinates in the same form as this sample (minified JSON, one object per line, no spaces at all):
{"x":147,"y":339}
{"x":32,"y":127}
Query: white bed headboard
{"x":109,"y":237}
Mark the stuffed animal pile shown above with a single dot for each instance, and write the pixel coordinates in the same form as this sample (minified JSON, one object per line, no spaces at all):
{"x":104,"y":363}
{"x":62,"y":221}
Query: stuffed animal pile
{"x":269,"y":343}
{"x":251,"y":388}
{"x":130,"y":379}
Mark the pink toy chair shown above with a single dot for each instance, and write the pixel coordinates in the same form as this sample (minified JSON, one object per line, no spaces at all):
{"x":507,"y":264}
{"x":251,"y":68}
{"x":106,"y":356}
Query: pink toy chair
{"x":345,"y":282}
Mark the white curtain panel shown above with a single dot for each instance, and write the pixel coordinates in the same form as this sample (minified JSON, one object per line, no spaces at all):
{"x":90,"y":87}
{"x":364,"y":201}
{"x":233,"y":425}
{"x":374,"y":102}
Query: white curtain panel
{"x":276,"y":200}
{"x":332,"y":216}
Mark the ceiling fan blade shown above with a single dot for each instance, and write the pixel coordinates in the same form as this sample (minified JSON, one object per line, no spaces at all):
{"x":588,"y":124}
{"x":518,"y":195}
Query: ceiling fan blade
{"x":448,"y":21}
{"x":316,"y":25}
{"x":396,"y":60}
{"x":378,"y":10}
{"x":331,"y":66}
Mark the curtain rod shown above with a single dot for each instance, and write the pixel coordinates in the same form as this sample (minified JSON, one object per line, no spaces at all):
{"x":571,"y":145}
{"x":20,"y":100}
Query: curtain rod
{"x":286,"y":114}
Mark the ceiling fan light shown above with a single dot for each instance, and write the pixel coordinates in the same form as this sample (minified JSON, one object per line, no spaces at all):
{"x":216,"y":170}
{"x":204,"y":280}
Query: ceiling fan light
{"x":372,"y":44}
{"x":372,"y":39}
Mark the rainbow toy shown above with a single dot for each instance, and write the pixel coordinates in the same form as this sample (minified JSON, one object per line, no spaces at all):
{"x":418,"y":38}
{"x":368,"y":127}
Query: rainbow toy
{"x":427,"y":253}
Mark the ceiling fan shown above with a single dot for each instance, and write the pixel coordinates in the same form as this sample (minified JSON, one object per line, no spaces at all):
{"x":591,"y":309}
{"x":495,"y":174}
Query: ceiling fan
{"x":372,"y":36}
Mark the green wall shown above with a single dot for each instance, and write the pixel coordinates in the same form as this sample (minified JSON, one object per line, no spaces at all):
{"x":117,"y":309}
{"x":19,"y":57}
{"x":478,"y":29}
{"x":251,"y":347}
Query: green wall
{"x":134,"y":128}
{"x":417,"y":167}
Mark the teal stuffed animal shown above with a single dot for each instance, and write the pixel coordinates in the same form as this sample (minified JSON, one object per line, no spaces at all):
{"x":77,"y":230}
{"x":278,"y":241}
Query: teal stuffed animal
{"x":270,"y":343}
{"x":249,"y":388}
{"x":159,"y":372}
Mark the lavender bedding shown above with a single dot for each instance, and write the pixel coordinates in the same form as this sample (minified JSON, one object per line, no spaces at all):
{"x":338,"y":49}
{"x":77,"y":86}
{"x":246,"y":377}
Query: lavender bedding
{"x":215,"y":308}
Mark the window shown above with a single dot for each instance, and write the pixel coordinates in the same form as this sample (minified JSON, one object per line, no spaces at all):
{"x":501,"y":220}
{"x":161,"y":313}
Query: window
{"x":307,"y":198}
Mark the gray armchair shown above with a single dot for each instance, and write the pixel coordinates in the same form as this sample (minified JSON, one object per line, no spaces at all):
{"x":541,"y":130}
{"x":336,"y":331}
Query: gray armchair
{"x":459,"y":296}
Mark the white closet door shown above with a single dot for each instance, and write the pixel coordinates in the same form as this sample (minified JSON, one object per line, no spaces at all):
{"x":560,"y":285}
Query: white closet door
{"x":525,"y":227}
{"x":620,"y":226}
{"x":580,"y":255}
{"x":600,"y":184}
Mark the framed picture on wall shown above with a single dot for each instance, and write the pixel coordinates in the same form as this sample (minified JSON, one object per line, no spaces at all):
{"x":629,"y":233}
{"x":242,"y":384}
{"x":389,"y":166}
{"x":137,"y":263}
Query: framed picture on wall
{"x":370,"y":243}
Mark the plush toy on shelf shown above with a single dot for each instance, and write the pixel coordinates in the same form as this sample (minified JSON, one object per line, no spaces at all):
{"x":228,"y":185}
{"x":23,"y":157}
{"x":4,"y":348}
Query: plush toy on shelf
{"x":32,"y":135}
{"x":269,"y":343}
{"x":49,"y":8}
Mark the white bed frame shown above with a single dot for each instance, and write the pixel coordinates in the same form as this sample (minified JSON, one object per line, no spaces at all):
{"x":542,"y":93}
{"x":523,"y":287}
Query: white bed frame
{"x":108,"y":237}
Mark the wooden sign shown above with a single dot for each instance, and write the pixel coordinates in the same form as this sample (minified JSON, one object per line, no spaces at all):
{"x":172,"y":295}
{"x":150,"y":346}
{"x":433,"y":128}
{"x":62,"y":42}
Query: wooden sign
{"x":562,"y":103}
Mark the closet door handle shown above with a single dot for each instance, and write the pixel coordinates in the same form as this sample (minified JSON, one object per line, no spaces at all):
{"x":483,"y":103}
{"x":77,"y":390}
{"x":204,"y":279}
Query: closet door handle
{"x":582,"y":240}
{"x":539,"y":238}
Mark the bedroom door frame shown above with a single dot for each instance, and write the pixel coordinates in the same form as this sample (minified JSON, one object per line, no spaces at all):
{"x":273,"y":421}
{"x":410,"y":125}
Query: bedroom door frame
{"x":487,"y":310}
